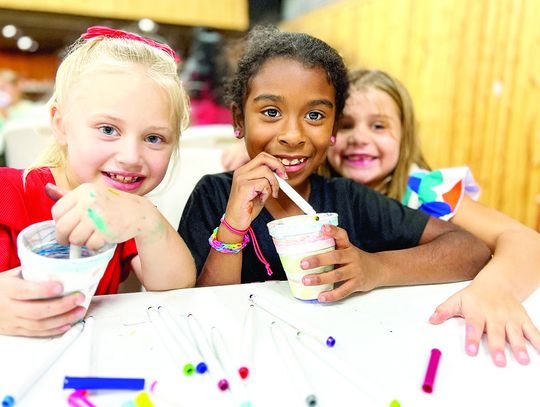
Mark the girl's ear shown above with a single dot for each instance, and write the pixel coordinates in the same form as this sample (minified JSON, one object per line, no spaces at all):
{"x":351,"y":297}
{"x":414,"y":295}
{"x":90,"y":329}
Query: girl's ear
{"x":238,"y":120}
{"x":57,"y":125}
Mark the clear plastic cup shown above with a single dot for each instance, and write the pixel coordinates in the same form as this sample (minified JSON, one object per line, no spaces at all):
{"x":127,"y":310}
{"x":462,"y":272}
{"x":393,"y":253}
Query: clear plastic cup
{"x":44,"y":259}
{"x":296,"y":238}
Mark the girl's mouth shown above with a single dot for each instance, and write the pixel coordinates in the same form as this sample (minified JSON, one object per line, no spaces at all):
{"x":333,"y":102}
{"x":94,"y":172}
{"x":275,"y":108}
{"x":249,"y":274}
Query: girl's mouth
{"x":127,"y":183}
{"x":293,"y":164}
{"x":360,"y":160}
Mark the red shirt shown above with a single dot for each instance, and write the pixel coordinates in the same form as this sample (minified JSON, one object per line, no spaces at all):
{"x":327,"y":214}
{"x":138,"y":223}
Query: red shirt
{"x":21,"y":206}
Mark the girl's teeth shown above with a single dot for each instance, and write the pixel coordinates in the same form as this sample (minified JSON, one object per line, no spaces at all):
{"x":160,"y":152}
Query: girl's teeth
{"x":125,"y":180}
{"x":294,"y":161}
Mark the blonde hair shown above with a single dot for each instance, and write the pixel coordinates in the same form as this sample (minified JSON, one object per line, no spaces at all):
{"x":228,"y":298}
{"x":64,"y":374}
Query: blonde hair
{"x":120,"y":53}
{"x":395,"y":184}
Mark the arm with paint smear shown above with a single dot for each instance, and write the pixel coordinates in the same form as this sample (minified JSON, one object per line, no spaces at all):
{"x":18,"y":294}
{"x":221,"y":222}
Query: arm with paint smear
{"x":92,"y":215}
{"x":252,"y":185}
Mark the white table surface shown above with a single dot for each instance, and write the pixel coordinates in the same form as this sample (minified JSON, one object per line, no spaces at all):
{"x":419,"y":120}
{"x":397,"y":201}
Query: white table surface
{"x":384,"y":336}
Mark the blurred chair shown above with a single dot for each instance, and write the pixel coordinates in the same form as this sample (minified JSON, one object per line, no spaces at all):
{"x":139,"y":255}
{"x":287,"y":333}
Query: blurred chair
{"x":24,"y":140}
{"x":192,"y":163}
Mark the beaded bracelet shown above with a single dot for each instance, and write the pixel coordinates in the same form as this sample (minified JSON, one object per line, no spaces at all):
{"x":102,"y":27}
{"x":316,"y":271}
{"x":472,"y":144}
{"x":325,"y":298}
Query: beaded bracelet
{"x":226,"y":247}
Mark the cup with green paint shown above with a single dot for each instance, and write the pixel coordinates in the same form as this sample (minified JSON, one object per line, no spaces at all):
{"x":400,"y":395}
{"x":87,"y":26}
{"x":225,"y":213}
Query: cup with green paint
{"x":44,"y":259}
{"x":298,"y":237}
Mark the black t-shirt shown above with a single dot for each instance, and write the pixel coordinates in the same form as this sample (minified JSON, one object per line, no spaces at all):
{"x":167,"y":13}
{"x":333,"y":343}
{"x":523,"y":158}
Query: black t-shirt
{"x":373,"y":221}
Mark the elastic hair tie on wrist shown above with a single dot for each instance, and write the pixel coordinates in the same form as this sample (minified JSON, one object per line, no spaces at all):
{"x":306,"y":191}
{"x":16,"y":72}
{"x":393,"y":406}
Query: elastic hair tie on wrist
{"x":232,"y":229}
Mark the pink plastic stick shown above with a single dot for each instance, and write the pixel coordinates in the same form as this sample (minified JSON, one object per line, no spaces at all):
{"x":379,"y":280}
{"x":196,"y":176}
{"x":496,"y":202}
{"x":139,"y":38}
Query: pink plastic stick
{"x":431,"y":370}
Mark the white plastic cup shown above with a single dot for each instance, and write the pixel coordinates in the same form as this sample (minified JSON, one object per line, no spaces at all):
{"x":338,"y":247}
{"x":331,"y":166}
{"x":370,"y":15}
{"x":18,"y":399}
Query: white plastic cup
{"x":298,"y":237}
{"x":43,"y":259}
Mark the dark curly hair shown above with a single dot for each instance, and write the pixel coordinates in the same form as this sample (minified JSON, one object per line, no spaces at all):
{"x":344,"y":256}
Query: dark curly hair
{"x":266,"y":42}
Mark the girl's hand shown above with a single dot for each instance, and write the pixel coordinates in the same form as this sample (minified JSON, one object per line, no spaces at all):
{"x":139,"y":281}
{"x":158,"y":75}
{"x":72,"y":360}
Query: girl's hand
{"x":490,"y":308}
{"x":35,"y":309}
{"x":93,"y":215}
{"x":252,"y":185}
{"x":352,"y":267}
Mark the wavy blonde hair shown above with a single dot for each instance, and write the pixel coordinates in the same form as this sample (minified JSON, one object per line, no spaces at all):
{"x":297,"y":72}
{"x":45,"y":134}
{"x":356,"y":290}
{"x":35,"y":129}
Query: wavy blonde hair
{"x":119,"y":53}
{"x":395,"y":184}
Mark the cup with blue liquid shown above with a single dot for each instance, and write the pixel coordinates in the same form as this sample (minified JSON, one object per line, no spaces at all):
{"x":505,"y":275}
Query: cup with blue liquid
{"x":44,"y":259}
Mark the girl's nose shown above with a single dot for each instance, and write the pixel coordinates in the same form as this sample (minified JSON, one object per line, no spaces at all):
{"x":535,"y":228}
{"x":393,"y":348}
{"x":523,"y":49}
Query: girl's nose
{"x":292,"y":135}
{"x":359,"y":136}
{"x":129,"y":153}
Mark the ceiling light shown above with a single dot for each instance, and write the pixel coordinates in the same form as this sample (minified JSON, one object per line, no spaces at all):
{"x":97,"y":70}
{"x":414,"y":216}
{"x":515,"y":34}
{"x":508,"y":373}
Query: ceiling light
{"x":9,"y":31}
{"x":24,"y":43}
{"x":147,"y":25}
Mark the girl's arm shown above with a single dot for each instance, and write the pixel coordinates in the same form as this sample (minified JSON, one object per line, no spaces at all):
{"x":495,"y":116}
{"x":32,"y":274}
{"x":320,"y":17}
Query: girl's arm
{"x":164,"y":261}
{"x":252,"y":185}
{"x":492,"y":302}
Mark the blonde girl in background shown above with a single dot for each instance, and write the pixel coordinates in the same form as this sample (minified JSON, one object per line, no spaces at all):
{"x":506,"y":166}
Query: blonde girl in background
{"x":117,"y":112}
{"x":377,"y":145}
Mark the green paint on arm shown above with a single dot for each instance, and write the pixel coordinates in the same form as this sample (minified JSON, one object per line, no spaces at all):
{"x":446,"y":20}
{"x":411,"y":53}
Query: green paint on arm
{"x":98,"y":221}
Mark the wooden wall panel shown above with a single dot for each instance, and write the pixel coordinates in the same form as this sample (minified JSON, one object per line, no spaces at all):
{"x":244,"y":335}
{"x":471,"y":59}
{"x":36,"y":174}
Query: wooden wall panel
{"x":473,"y":69}
{"x":225,"y":14}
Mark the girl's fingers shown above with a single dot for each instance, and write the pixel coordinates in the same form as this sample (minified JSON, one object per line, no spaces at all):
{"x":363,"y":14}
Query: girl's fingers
{"x":338,"y":293}
{"x":62,"y":206}
{"x":340,"y":236}
{"x":329,"y":277}
{"x":66,"y":224}
{"x":496,"y":337}
{"x":55,"y":323}
{"x":81,"y":233}
{"x":448,"y":309}
{"x":30,"y":290}
{"x":20,"y":331}
{"x":54,"y":192}
{"x":514,"y":335}
{"x":532,"y":334}
{"x":474,"y":329}
{"x":39,"y":310}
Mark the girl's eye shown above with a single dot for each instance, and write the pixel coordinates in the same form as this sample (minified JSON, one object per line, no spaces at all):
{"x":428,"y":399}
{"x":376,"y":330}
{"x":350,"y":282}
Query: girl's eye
{"x":271,"y":113}
{"x":314,"y":116}
{"x":108,"y":130}
{"x":378,"y":126}
{"x":154,"y":139}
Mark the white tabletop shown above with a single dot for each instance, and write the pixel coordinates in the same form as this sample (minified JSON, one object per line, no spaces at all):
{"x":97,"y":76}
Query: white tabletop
{"x":383,"y":337}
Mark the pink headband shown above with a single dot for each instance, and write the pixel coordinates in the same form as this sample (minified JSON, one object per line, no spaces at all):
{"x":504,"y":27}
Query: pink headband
{"x":100,"y":31}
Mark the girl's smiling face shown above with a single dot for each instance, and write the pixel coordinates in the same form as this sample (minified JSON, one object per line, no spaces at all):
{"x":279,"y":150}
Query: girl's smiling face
{"x":289,"y":112}
{"x":368,"y":138}
{"x":117,"y":130}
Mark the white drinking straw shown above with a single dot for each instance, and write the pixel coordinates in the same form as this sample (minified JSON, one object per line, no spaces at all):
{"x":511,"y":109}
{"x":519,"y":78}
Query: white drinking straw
{"x":182,"y":339}
{"x":169,"y":342}
{"x":288,"y":318}
{"x":74,"y":251}
{"x":362,"y":383}
{"x":295,"y":196}
{"x":247,"y":344}
{"x":236,"y":386}
{"x":293,"y":365}
{"x":62,"y":345}
{"x":214,"y":367}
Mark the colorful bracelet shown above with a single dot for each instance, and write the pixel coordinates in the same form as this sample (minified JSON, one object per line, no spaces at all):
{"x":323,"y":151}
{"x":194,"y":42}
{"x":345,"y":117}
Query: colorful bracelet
{"x":226,"y":247}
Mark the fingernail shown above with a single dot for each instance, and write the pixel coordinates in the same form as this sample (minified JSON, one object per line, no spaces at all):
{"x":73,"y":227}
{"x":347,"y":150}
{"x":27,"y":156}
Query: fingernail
{"x":80,"y":312}
{"x":304,"y":264}
{"x":472,"y":349}
{"x":307,"y":280}
{"x":323,"y":298}
{"x":79,"y":299}
{"x":500,"y":359}
{"x":433,"y":316}
{"x":57,"y":289}
{"x":523,"y":357}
